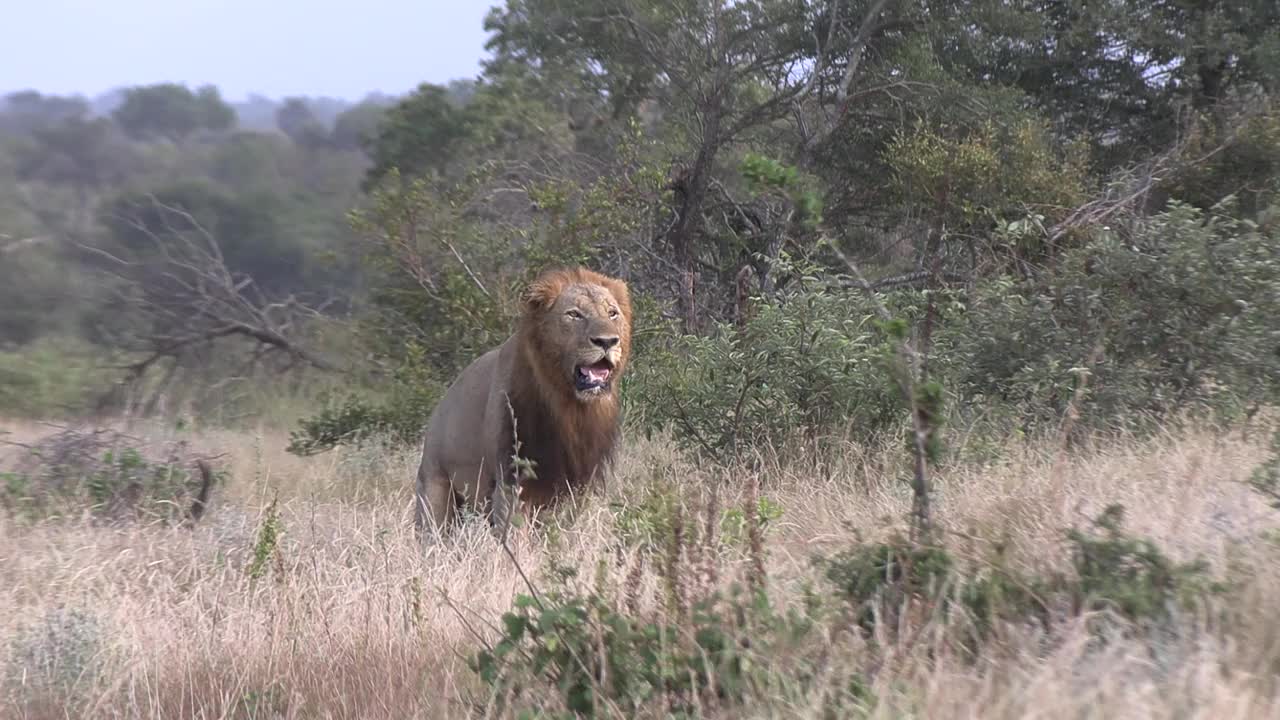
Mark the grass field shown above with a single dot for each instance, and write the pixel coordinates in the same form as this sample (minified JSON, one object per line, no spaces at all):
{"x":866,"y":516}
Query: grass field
{"x":350,"y":618}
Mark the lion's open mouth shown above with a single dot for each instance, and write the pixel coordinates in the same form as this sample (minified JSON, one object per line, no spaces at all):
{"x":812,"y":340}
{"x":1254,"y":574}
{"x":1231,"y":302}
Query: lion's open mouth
{"x":594,"y":376}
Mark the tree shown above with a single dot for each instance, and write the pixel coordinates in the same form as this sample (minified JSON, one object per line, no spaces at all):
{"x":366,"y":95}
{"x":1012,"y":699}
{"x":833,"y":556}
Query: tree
{"x":722,"y":71}
{"x":76,"y":151}
{"x":295,"y":119}
{"x":355,"y":128}
{"x":251,"y":240}
{"x":419,"y":135}
{"x":1121,"y":71}
{"x":26,"y":111}
{"x":214,"y":113}
{"x":172,"y":111}
{"x":180,"y":296}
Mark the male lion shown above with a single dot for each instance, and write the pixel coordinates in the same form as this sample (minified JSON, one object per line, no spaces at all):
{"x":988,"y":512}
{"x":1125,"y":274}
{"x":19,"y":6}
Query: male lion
{"x":557,"y":376}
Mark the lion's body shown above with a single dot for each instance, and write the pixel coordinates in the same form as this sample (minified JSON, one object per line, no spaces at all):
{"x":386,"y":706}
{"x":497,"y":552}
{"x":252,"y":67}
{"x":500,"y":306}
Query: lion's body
{"x":557,"y":378}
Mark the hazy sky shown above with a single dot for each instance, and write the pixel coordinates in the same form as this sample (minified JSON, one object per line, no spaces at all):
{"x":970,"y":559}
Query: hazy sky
{"x":273,"y":47}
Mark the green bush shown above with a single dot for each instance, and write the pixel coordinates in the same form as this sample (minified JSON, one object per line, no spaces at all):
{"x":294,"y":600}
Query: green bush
{"x":1131,"y":576}
{"x":352,"y":421}
{"x":1184,"y":308}
{"x":581,"y":652}
{"x":1111,"y":570}
{"x":1248,"y":163}
{"x":878,"y":581}
{"x":808,"y":360}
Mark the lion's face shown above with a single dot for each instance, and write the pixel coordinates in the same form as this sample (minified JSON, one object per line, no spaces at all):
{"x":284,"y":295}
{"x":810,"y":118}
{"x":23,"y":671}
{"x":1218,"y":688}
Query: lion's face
{"x":589,"y":327}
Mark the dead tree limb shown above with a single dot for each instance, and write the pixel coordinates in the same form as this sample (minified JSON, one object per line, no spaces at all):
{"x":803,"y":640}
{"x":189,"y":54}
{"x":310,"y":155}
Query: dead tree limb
{"x":186,"y":296}
{"x":1131,"y":188}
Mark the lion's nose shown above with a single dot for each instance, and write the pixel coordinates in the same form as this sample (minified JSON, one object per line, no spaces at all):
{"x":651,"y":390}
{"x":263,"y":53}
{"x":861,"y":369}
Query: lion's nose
{"x":604,"y":342}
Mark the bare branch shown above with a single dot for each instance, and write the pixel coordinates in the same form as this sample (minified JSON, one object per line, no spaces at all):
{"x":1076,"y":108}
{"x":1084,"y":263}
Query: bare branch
{"x":466,"y":267}
{"x":1135,"y":184}
{"x":855,"y":49}
{"x":188,"y":297}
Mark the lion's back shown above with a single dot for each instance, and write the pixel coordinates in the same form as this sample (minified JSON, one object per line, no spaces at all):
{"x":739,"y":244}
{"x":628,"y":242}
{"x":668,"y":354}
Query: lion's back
{"x":456,"y":432}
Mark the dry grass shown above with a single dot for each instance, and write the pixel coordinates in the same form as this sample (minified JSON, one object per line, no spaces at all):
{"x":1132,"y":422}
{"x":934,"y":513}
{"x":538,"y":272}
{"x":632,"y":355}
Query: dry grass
{"x":351,"y":622}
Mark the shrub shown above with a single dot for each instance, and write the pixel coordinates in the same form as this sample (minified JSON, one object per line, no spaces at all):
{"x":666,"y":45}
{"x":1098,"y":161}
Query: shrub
{"x":1111,"y":571}
{"x":1130,"y":575}
{"x":878,"y":582}
{"x":1184,"y":308}
{"x":582,"y":652}
{"x":1248,"y":163}
{"x":352,"y":421}
{"x":109,"y":474}
{"x":807,"y":359}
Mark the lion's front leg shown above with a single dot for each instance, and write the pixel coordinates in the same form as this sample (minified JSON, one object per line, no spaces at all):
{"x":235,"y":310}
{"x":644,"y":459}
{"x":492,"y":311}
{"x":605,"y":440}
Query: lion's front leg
{"x":504,"y":503}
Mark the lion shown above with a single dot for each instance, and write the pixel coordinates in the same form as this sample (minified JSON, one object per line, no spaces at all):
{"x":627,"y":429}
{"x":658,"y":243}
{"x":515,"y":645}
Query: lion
{"x":551,"y":388}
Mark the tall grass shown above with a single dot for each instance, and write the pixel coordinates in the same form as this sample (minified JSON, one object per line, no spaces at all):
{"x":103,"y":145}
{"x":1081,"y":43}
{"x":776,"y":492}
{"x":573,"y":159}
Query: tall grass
{"x":352,"y":618}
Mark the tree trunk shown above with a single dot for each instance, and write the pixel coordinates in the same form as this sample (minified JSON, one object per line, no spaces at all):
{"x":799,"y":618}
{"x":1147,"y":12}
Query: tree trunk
{"x":689,"y":220}
{"x":696,"y":183}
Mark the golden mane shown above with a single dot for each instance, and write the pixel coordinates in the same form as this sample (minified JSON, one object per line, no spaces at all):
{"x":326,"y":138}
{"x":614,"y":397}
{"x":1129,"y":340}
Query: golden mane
{"x":568,"y":439}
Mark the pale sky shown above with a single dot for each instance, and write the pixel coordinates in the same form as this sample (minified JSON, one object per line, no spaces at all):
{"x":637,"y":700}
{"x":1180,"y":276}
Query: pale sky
{"x":276,"y":48}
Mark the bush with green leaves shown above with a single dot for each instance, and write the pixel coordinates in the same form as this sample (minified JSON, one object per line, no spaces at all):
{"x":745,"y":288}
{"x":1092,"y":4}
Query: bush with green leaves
{"x":582,"y":654}
{"x":1177,"y":312}
{"x":353,"y":420}
{"x":1241,"y":155}
{"x":878,"y":582}
{"x":1111,"y":570}
{"x":807,"y":360}
{"x":1132,"y":576}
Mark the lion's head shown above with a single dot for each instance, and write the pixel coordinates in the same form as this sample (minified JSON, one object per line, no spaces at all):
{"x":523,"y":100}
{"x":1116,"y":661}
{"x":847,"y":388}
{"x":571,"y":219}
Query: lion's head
{"x":578,"y":323}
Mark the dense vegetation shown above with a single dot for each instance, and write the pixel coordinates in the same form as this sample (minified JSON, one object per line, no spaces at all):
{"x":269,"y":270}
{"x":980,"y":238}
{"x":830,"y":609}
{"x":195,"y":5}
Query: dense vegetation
{"x":1039,"y":195}
{"x":1024,"y":187}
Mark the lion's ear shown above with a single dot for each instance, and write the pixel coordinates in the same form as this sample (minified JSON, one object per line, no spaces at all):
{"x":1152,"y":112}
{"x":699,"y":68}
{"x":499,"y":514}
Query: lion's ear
{"x":540,"y":295}
{"x":620,"y":293}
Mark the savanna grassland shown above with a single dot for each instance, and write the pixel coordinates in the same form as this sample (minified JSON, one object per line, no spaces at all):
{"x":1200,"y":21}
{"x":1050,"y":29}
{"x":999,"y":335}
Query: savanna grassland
{"x":337,"y":612}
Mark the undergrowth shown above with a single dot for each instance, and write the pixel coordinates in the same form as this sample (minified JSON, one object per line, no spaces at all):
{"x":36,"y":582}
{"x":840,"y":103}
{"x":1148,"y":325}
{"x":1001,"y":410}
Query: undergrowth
{"x":715,"y":633}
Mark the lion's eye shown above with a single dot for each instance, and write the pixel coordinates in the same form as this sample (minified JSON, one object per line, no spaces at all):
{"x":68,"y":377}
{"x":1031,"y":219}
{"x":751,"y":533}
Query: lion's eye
{"x":574,"y":314}
{"x":613,"y":314}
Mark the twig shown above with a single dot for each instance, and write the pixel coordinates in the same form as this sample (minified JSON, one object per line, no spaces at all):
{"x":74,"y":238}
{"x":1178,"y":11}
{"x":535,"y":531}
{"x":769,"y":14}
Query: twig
{"x":506,"y":521}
